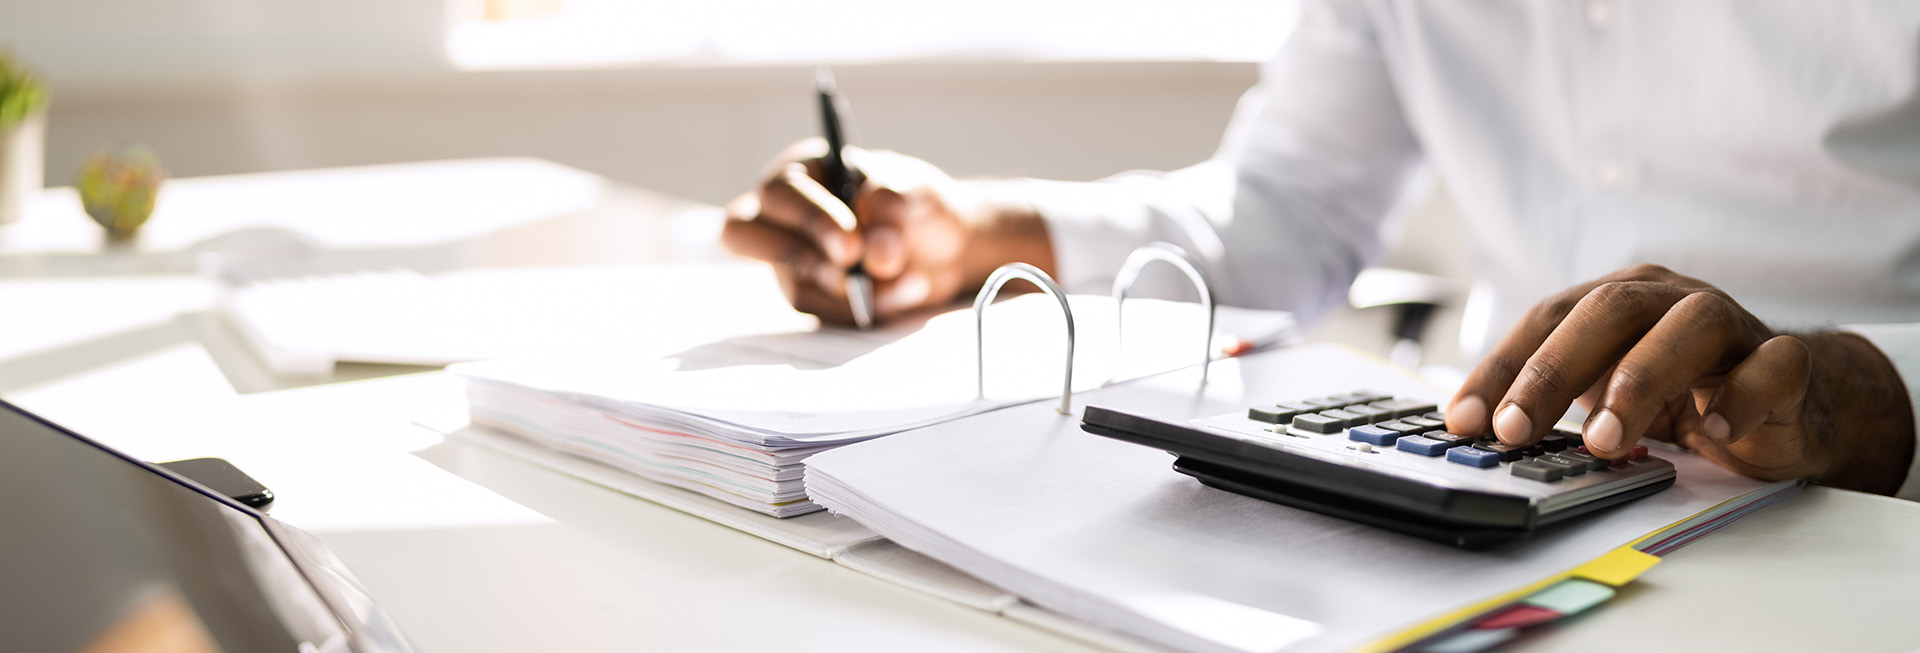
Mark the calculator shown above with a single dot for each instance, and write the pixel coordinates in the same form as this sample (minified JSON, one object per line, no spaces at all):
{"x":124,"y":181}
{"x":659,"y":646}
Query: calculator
{"x":1390,"y":462}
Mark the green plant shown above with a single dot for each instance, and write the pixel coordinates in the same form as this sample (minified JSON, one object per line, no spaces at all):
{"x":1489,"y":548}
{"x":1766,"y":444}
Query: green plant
{"x":21,"y":93}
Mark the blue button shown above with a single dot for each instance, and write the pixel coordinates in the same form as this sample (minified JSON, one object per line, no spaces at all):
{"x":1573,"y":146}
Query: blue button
{"x":1473,"y":457}
{"x":1373,"y":435}
{"x":1424,"y":446}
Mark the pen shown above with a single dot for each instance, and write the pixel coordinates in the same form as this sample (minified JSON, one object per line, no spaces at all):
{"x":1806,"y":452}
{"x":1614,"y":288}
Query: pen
{"x":840,"y":183}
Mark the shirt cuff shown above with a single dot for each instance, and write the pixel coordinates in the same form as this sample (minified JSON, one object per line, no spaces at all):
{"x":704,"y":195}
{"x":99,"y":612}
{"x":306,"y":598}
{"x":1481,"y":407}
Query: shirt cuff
{"x":1901,"y":344}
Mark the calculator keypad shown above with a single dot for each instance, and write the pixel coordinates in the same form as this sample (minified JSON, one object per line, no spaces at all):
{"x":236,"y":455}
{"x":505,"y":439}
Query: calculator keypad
{"x":1373,"y":422}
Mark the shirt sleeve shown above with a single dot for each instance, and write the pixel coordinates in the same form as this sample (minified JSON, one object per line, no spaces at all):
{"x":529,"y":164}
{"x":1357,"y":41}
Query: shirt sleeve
{"x":1901,"y":344}
{"x":1290,"y":209}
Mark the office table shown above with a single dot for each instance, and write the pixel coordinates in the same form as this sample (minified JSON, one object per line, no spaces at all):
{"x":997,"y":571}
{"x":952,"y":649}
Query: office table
{"x":473,"y":550}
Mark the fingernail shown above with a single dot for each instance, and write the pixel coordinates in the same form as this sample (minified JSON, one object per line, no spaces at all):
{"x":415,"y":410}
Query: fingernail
{"x":1716,"y":427}
{"x":1512,"y":425}
{"x":1469,"y":414}
{"x":1604,"y":431}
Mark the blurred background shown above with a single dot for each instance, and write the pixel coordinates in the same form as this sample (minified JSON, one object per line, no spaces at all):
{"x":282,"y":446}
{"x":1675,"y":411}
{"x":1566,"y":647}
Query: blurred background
{"x":687,"y":98}
{"x":684,"y":97}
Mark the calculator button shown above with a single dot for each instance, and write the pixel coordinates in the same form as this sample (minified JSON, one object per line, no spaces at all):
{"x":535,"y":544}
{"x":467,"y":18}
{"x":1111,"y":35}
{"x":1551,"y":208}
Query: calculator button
{"x":1574,"y":439}
{"x":1424,"y":423}
{"x":1271,"y":414}
{"x":1436,"y":416}
{"x":1472,"y":457}
{"x":1506,"y":452}
{"x":1318,"y":423}
{"x":1534,"y":470}
{"x":1638,"y":453}
{"x":1298,"y":406}
{"x":1323,"y":403}
{"x":1372,"y":435}
{"x":1346,"y":418}
{"x":1451,"y":439}
{"x":1369,"y":413}
{"x":1533,"y":450}
{"x":1593,"y":464}
{"x":1554,"y":442}
{"x":1567,"y":466}
{"x":1400,"y":427}
{"x":1405,"y":407}
{"x":1422,"y":445}
{"x":1365,"y":396}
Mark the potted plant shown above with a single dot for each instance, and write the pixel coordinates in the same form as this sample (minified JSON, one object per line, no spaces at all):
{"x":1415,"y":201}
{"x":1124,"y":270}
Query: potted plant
{"x":23,"y":137}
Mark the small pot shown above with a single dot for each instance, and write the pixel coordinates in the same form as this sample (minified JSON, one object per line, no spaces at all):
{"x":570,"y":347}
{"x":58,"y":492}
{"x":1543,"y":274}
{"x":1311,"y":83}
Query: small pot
{"x":23,"y":160}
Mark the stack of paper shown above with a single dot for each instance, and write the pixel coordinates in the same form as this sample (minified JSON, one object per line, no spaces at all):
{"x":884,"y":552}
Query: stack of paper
{"x":1104,"y":531}
{"x":714,"y":422}
{"x":304,"y":323}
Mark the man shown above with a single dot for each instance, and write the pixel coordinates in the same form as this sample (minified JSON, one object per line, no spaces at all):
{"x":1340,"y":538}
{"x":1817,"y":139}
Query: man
{"x":1772,"y":148}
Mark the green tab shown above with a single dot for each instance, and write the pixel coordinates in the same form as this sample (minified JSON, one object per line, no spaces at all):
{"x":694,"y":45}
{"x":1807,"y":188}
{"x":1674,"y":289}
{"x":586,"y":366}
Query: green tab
{"x":1571,"y":596}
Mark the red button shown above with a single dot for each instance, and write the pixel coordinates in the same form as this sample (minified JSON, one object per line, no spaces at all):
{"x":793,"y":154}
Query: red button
{"x":1638,"y":453}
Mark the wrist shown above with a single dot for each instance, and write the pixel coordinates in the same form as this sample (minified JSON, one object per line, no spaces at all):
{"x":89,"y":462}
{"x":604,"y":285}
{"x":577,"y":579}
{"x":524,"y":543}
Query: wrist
{"x":1001,"y":228}
{"x":1858,"y":414}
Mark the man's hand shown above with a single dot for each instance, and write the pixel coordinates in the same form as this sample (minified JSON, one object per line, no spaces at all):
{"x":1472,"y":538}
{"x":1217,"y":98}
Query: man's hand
{"x":1658,"y":355}
{"x":918,"y":232}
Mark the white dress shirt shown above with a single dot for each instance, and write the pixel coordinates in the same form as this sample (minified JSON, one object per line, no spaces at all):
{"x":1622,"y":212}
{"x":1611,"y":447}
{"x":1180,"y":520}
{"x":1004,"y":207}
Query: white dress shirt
{"x":1769,"y":148}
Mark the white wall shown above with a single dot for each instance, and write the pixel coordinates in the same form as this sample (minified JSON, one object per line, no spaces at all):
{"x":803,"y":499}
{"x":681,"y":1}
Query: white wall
{"x":223,"y":86}
{"x":229,"y":86}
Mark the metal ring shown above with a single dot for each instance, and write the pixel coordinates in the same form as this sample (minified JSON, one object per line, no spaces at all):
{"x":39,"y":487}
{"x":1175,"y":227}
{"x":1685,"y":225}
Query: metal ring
{"x":999,"y":278}
{"x":1130,"y":272}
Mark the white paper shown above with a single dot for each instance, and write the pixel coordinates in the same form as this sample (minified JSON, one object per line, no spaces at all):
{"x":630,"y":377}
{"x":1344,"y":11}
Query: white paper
{"x":1105,"y":531}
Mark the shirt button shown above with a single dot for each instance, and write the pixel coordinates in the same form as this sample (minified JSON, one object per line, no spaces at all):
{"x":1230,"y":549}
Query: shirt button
{"x":1602,"y":13}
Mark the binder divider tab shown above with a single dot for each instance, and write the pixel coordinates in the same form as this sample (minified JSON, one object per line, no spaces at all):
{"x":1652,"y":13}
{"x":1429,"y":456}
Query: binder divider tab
{"x":999,"y":278}
{"x":1130,"y":272}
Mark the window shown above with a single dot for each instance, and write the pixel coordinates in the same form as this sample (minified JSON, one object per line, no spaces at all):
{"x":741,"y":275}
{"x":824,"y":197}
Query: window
{"x":495,"y":34}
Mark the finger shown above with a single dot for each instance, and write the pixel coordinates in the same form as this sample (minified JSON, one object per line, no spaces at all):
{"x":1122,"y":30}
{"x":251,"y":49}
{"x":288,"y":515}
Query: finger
{"x":829,"y":307}
{"x":882,"y":213}
{"x":1468,"y":413}
{"x":792,"y":256}
{"x":795,"y":201}
{"x":1769,"y":387}
{"x":1702,"y":334}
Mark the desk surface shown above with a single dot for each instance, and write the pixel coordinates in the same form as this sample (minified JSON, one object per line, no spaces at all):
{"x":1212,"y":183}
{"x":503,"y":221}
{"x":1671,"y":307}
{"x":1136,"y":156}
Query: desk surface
{"x":475,"y":551}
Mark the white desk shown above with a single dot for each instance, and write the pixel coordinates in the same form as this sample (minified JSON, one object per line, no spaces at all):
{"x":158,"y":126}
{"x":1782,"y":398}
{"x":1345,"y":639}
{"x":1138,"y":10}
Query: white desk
{"x":474,"y":551}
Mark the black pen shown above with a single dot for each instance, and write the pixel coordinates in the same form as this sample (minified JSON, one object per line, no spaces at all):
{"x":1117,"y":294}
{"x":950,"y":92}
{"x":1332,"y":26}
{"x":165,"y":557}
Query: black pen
{"x":840,"y":183}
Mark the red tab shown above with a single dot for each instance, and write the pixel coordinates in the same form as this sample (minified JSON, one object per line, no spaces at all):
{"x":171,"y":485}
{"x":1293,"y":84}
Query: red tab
{"x":1638,"y":453}
{"x":1518,"y":616}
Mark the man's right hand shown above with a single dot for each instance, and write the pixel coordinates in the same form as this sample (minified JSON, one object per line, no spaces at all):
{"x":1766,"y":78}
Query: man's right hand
{"x":918,"y":234}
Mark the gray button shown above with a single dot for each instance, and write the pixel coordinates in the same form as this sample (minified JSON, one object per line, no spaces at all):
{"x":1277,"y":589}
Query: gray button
{"x":1369,"y":413}
{"x":1271,"y":414}
{"x":1318,"y":423}
{"x":1405,"y":407}
{"x":1567,"y":466}
{"x":1535,"y":470}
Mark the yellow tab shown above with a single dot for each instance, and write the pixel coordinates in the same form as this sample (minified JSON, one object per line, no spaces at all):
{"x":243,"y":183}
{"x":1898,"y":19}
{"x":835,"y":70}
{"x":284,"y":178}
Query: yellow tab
{"x":1618,"y":567}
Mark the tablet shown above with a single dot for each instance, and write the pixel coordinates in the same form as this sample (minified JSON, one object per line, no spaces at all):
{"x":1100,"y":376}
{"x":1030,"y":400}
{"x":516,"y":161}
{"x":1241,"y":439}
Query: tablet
{"x":102,"y":552}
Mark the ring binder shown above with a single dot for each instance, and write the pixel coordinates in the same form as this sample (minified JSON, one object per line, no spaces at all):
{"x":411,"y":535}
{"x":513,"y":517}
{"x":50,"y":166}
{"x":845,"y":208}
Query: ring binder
{"x":999,"y":278}
{"x":1178,"y":258}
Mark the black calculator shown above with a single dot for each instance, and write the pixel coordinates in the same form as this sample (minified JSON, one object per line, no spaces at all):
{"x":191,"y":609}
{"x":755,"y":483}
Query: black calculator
{"x":1390,"y":462}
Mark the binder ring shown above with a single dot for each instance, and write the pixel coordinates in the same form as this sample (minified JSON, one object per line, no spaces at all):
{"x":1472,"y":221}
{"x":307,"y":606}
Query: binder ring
{"x":1177,"y":257}
{"x":999,"y":278}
